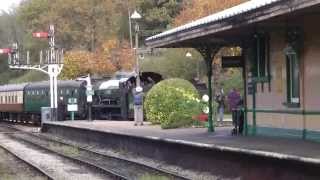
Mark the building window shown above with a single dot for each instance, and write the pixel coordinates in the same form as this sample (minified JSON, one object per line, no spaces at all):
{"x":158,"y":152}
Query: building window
{"x":16,"y":99}
{"x":261,"y":60}
{"x":1,"y":100}
{"x":293,"y":76}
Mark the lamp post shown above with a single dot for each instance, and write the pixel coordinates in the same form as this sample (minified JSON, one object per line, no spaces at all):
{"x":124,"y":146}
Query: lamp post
{"x":135,"y":17}
{"x":189,"y":55}
{"x":138,"y":95}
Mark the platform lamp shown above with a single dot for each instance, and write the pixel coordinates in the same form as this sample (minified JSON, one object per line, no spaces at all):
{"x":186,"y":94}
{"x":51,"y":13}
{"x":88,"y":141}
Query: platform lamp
{"x":136,"y":17}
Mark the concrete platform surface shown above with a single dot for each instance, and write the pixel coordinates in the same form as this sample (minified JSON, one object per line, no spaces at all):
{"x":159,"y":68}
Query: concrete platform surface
{"x":280,"y":148}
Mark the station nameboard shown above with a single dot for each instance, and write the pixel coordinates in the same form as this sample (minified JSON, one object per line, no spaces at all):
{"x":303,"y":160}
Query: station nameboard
{"x":232,"y":61}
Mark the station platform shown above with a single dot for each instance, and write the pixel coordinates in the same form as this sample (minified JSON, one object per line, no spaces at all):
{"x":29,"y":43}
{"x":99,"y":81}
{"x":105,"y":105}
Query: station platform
{"x":241,"y":150}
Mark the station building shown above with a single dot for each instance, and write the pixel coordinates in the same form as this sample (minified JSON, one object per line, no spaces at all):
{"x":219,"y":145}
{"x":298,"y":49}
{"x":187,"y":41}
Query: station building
{"x":280,"y":44}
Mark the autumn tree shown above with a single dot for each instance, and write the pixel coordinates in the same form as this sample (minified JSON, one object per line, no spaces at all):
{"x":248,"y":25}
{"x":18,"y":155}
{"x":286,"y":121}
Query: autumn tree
{"x":80,"y":24}
{"x":195,"y":9}
{"x":112,"y":56}
{"x":87,"y":29}
{"x":119,"y":53}
{"x":157,"y":15}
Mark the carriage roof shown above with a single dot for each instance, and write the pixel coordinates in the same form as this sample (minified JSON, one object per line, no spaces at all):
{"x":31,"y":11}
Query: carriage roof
{"x":61,"y":84}
{"x":13,"y":87}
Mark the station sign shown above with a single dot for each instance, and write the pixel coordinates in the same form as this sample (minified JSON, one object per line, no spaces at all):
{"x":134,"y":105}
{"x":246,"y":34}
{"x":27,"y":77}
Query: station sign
{"x":232,"y":62}
{"x":72,"y":107}
{"x":72,"y":101}
{"x":90,"y":92}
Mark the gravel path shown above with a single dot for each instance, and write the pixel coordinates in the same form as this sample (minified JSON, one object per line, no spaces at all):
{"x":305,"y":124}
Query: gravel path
{"x":59,"y":168}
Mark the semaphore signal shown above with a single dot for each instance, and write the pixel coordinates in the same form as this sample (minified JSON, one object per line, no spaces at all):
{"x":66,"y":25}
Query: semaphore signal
{"x":50,"y":62}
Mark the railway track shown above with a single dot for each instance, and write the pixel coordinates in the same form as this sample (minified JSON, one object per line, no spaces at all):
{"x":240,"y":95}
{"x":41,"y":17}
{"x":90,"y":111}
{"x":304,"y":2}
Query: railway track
{"x":120,"y":167}
{"x":30,"y":164}
{"x":14,"y":135}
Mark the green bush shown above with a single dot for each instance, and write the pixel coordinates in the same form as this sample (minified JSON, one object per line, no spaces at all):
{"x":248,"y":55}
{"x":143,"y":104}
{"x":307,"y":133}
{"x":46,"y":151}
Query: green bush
{"x":172,"y":103}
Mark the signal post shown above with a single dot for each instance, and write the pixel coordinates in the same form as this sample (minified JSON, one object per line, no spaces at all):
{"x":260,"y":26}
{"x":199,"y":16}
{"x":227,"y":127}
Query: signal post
{"x":50,"y":63}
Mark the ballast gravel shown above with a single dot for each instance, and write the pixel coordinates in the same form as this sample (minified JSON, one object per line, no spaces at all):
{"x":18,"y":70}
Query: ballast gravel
{"x":56,"y":166}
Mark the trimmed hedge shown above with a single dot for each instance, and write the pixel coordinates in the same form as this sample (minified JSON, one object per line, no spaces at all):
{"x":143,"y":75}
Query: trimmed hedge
{"x":172,"y":103}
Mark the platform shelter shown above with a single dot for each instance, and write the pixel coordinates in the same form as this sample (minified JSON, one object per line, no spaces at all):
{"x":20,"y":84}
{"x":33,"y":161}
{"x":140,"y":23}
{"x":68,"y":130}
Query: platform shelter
{"x":280,"y":44}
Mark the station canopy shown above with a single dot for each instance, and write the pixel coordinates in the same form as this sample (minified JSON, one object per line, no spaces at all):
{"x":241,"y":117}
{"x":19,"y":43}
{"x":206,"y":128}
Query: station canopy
{"x":219,"y":28}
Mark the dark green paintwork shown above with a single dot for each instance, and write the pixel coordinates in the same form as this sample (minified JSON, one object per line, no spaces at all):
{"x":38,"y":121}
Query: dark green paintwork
{"x":34,"y":102}
{"x":286,"y":133}
{"x":301,"y":112}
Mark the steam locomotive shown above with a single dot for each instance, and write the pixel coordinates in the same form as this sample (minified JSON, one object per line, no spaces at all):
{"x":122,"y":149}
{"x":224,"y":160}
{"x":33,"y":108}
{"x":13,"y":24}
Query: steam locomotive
{"x":112,"y":99}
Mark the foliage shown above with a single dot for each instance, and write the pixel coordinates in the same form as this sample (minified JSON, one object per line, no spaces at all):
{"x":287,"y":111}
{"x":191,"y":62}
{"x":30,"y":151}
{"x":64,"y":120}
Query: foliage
{"x":157,"y":14}
{"x":195,"y":9}
{"x":79,"y":23}
{"x":111,"y":57}
{"x":95,"y":34}
{"x":119,"y":54}
{"x":29,"y":76}
{"x":172,"y":103}
{"x":78,"y":63}
{"x":173,"y":63}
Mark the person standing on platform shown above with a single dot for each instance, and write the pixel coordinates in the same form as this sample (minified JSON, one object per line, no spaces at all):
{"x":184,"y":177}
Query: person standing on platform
{"x":220,"y":100}
{"x":240,"y":116}
{"x":233,"y":101}
{"x":138,"y":106}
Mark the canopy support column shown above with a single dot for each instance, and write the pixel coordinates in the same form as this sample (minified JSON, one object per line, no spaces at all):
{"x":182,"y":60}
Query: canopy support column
{"x":208,"y":52}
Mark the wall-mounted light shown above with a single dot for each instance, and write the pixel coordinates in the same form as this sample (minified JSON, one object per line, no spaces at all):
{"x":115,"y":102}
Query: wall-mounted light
{"x":188,"y":54}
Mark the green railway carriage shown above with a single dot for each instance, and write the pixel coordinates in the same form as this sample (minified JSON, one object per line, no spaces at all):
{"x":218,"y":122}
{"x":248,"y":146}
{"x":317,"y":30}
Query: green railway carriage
{"x":37,"y":95}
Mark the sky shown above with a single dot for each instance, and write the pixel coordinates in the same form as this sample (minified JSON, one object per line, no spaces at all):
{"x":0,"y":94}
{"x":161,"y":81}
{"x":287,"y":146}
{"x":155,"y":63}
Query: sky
{"x":5,"y":5}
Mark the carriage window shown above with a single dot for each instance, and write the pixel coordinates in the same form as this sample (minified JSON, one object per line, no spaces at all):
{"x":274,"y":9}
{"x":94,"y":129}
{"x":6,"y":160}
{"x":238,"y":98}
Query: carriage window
{"x":61,"y":91}
{"x":67,"y":91}
{"x":75,"y":91}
